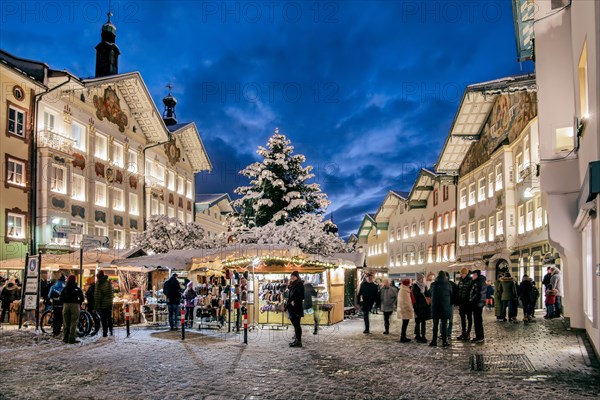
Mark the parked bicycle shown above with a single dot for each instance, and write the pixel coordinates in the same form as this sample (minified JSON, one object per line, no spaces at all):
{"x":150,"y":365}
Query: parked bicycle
{"x":88,"y":323}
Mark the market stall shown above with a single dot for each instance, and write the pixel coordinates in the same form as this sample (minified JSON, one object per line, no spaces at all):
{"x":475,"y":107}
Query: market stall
{"x":263,"y":273}
{"x":77,"y":263}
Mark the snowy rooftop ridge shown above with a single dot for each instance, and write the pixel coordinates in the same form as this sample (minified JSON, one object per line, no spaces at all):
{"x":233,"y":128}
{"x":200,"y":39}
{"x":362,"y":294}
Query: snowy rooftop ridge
{"x":514,"y":82}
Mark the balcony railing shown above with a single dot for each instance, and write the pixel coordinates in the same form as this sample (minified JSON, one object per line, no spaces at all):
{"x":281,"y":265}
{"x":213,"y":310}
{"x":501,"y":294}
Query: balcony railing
{"x":48,"y":138}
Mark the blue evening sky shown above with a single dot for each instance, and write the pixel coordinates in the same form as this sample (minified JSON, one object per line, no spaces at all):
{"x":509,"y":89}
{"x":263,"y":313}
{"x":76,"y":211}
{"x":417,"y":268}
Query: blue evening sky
{"x":367,"y":90}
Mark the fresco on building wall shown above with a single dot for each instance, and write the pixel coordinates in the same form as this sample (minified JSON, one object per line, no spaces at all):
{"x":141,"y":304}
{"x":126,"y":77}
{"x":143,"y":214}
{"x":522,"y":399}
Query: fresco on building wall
{"x":77,"y":211}
{"x":509,"y":116}
{"x":109,"y":106}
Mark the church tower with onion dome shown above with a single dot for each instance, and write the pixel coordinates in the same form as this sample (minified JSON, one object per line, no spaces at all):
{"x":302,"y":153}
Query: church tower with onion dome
{"x":107,"y":51}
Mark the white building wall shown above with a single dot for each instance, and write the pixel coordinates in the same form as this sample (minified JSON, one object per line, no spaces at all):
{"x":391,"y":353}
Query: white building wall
{"x":560,"y":39}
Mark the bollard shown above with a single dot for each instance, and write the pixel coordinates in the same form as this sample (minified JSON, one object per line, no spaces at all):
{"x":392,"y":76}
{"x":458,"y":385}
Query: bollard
{"x":127,"y":317}
{"x":245,"y":319}
{"x":182,"y":323}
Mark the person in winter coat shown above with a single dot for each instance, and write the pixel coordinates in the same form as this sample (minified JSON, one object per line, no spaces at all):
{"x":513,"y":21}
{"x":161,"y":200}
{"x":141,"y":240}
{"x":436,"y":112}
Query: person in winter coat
{"x":550,"y":302}
{"x":103,"y":302}
{"x":477,"y":299}
{"x":421,"y":307}
{"x":72,"y":298}
{"x":454,"y":304}
{"x":57,"y":305}
{"x":172,"y":291}
{"x":525,"y":288}
{"x":89,"y":293}
{"x":310,"y":303}
{"x":389,"y":298}
{"x":188,"y":302}
{"x":441,"y":307}
{"x":556,"y":282}
{"x":497,"y":298}
{"x":464,"y":306}
{"x":8,"y":295}
{"x":535,"y":295}
{"x":405,"y":308}
{"x":368,"y":295}
{"x":44,"y":290}
{"x":489,"y":295}
{"x":295,"y":306}
{"x":508,"y":296}
{"x":547,"y":277}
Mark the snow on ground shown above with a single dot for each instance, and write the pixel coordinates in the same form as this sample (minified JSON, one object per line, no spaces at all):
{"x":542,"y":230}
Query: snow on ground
{"x":338,"y":363}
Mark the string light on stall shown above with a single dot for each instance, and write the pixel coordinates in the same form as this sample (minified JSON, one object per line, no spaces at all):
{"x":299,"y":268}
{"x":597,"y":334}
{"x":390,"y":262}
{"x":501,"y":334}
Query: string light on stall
{"x":283,"y":260}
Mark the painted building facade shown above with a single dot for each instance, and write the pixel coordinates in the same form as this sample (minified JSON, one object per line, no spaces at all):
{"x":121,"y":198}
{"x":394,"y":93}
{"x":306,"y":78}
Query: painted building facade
{"x":21,"y":80}
{"x":422,"y":227}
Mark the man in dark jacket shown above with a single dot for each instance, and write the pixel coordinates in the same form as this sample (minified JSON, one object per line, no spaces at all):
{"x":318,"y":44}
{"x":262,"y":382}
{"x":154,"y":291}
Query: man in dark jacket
{"x":54,"y":296}
{"x":295,"y":306}
{"x":477,"y":300}
{"x":368,"y":295}
{"x":441,"y":306}
{"x":71,"y":297}
{"x":103,"y":302}
{"x":172,"y":290}
{"x":525,"y":288}
{"x":546,"y":278}
{"x":464,"y":306}
{"x":89,"y":294}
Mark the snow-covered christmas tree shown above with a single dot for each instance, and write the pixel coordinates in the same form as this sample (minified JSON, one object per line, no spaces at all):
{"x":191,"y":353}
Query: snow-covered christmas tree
{"x":279,"y":190}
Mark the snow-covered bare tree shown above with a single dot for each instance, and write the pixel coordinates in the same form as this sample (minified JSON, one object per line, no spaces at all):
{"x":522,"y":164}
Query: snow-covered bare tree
{"x":164,"y":233}
{"x":309,"y":232}
{"x":279,"y":189}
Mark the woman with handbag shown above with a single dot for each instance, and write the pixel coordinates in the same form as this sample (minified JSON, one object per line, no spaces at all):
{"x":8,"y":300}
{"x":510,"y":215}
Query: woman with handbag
{"x":421,"y":308}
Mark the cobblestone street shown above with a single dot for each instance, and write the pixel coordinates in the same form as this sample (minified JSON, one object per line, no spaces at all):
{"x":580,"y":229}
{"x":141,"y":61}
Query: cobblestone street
{"x":339,"y":363}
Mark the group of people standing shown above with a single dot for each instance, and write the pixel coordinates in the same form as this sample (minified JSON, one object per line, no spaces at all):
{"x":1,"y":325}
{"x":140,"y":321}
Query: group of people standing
{"x":67,"y":297}
{"x":509,"y":295}
{"x":422,"y":301}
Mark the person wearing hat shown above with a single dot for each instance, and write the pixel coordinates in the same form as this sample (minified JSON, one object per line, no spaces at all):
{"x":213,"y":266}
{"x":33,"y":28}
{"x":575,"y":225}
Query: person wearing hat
{"x":477,"y":299}
{"x":464,"y":305}
{"x":422,"y":307}
{"x":8,"y":294}
{"x":556,"y":282}
{"x":72,"y":298}
{"x":57,"y":305}
{"x":295,"y":307}
{"x":103,"y":302}
{"x":405,"y":308}
{"x":368,"y":295}
{"x":189,"y":302}
{"x":172,"y":290}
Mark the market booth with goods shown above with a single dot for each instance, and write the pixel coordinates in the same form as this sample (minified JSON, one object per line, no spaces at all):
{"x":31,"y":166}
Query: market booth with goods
{"x":128,"y":282}
{"x":254,"y":278}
